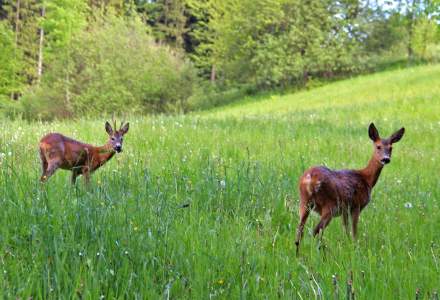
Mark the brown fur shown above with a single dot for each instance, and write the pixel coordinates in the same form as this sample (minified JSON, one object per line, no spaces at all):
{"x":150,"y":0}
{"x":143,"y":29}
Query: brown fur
{"x":344,"y":192}
{"x":58,"y":151}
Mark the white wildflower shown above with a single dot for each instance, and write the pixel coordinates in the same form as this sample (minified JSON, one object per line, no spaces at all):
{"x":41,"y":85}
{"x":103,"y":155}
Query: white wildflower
{"x":408,"y":205}
{"x":223,"y":183}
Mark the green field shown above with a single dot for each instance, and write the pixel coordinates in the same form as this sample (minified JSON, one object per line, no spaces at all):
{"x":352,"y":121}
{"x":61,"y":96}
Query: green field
{"x":237,"y":167}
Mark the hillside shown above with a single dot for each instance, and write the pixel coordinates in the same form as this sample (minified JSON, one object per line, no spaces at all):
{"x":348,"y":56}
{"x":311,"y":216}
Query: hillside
{"x":409,"y":92}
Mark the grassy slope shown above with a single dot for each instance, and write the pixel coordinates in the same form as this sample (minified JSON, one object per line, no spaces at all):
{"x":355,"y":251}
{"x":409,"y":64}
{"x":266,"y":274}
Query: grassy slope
{"x":237,"y":166}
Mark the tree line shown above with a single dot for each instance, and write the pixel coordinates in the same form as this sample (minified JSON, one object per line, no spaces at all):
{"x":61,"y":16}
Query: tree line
{"x":67,"y":58}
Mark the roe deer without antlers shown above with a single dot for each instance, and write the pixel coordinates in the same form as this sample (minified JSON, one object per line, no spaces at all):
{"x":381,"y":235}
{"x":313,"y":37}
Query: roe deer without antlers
{"x":58,"y":151}
{"x":332,"y":193}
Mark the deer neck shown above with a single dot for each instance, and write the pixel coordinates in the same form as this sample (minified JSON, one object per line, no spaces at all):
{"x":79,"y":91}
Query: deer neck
{"x":372,"y":171}
{"x":104,"y":153}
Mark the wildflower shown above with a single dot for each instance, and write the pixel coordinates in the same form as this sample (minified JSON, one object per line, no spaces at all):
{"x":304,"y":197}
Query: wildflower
{"x":408,"y":205}
{"x":126,"y":252}
{"x":223,"y":183}
{"x":80,"y":253}
{"x":98,"y":254}
{"x":221,"y":282}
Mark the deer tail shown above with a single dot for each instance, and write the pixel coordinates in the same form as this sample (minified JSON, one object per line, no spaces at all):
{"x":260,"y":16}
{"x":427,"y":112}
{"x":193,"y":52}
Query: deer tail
{"x":311,"y":183}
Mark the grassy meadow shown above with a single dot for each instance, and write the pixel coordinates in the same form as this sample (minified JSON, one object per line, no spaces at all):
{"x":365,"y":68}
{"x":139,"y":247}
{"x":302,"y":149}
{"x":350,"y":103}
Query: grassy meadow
{"x":204,"y":206}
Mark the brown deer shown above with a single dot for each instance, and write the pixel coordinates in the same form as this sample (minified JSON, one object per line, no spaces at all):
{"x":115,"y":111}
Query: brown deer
{"x":332,"y":193}
{"x":58,"y":151}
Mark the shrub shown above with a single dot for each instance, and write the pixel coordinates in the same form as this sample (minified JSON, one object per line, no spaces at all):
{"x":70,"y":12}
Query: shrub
{"x":112,"y":66}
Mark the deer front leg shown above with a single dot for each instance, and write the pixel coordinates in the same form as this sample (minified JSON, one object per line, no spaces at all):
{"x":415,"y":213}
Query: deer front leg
{"x":304,"y":211}
{"x":86,"y":174}
{"x":75,"y":174}
{"x":44,"y":165}
{"x":355,"y":212}
{"x":345,"y":221}
{"x":52,"y":166}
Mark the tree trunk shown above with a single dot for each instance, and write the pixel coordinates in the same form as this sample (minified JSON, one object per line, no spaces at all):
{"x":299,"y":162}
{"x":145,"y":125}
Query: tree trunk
{"x":17,"y":20}
{"x":411,"y":21}
{"x":17,"y":28}
{"x":213,"y":73}
{"x":40,"y":49}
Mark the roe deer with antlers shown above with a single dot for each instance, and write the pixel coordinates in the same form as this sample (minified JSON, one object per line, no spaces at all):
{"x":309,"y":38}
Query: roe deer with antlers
{"x":58,"y":151}
{"x":332,"y":193}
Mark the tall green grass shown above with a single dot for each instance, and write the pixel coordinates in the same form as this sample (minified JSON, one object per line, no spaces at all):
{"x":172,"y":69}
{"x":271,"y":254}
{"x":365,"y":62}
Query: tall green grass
{"x":130,"y":235}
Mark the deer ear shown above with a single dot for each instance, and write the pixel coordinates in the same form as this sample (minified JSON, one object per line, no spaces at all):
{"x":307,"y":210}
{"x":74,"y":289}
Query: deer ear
{"x":124,"y":129}
{"x":108,"y":128}
{"x":373,"y":133}
{"x":395,"y":137}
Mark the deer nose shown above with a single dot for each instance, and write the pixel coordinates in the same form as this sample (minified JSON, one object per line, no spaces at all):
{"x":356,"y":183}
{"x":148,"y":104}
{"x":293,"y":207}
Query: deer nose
{"x":385,"y":160}
{"x":118,"y":147}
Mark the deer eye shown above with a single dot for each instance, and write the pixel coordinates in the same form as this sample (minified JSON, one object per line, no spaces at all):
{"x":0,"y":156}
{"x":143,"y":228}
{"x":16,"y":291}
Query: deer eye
{"x":113,"y":138}
{"x":378,"y":147}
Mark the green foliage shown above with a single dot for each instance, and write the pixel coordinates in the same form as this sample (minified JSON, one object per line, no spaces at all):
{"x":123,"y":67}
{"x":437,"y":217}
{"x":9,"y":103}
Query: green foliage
{"x":10,"y":63}
{"x":114,"y":67}
{"x":425,"y":38}
{"x":24,"y":17}
{"x":63,"y":19}
{"x":168,"y":20}
{"x":385,"y":35}
{"x":271,"y":42}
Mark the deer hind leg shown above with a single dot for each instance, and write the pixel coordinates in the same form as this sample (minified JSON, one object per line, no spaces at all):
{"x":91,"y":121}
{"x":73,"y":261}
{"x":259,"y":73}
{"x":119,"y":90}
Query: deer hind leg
{"x":304,"y":211}
{"x":326,"y":216}
{"x":355,"y":219}
{"x":345,"y":221}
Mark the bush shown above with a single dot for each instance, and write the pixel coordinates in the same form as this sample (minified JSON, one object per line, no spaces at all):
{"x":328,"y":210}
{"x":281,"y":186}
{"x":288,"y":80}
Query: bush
{"x":113,"y":66}
{"x":432,"y":53}
{"x":208,"y":95}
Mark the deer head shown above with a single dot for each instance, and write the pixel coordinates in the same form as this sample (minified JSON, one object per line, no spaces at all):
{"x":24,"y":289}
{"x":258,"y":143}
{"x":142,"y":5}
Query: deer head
{"x":384,"y":147}
{"x":116,"y":137}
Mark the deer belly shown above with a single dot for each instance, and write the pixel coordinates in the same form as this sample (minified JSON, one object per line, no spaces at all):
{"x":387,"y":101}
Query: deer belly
{"x":71,"y":163}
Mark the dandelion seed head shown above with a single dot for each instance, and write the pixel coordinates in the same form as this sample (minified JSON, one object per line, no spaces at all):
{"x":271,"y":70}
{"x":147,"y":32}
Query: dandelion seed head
{"x":408,"y":205}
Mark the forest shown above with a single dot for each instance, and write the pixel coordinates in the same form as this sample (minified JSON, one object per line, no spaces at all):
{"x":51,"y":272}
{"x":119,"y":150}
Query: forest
{"x":69,"y":58}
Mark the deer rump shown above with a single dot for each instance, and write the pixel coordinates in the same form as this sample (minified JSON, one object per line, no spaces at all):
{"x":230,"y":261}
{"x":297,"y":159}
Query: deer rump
{"x":339,"y":191}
